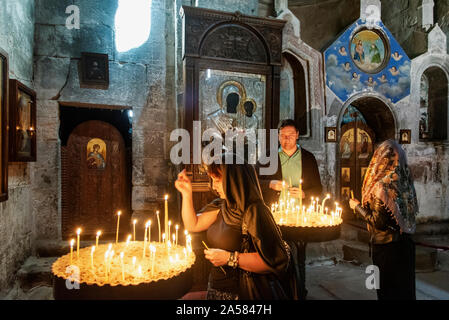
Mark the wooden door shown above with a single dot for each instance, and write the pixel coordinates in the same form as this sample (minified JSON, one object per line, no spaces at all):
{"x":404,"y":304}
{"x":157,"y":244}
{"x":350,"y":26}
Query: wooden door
{"x":356,"y":149}
{"x":95,"y":182}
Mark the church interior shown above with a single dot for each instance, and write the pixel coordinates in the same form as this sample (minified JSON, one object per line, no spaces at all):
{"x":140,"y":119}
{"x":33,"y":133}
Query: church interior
{"x":92,"y":91}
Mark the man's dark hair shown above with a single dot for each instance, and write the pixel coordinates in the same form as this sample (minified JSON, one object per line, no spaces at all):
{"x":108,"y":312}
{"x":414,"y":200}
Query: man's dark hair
{"x":288,"y":123}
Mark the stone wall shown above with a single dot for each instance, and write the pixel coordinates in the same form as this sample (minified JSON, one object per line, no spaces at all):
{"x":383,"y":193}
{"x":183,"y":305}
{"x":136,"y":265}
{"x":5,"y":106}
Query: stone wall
{"x":16,"y":216}
{"x":141,"y":78}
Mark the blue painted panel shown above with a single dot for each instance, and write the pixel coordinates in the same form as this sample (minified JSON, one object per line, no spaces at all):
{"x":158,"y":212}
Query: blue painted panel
{"x":345,"y":79}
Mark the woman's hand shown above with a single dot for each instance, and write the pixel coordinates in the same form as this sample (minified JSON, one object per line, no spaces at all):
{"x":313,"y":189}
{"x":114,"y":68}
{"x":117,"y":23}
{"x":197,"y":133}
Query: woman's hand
{"x":276,"y":185}
{"x":217,"y":257}
{"x":353,"y":203}
{"x":183,"y":184}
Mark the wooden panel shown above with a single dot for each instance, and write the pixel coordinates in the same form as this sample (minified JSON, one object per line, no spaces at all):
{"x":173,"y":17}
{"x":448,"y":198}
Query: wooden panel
{"x":94,"y":180}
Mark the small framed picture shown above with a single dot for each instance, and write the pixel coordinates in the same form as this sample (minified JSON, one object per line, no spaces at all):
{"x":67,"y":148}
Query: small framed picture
{"x":94,"y":69}
{"x":331,"y":134}
{"x":405,"y":136}
{"x":346,"y":175}
{"x":22,"y":122}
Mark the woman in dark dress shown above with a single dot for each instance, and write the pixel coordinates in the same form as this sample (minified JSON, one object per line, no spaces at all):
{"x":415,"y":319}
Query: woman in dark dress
{"x":389,"y":206}
{"x":242,"y":235}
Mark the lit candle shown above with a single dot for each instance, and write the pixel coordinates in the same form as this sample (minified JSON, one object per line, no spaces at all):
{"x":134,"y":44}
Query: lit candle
{"x":139,"y":271}
{"x":153,"y":253}
{"x":128,"y":240}
{"x":92,"y":258}
{"x":163,"y":237}
{"x":111,"y":255}
{"x":106,"y":255}
{"x":149,"y":230}
{"x":328,"y":196}
{"x":123,"y":266}
{"x":300,"y":193}
{"x":169,"y":226}
{"x":176,"y":227}
{"x":145,"y":240}
{"x":174,"y":239}
{"x":166,"y":215}
{"x":98,"y":236}
{"x":134,"y":229}
{"x":72,"y":242}
{"x":78,"y":232}
{"x":158,"y":225}
{"x":118,"y":223}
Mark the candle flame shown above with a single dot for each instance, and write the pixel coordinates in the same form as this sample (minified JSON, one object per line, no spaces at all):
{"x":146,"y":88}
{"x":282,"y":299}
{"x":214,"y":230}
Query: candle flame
{"x":177,"y":227}
{"x":157,"y":212}
{"x":119,"y":213}
{"x":135,"y":221}
{"x":166,"y":197}
{"x":72,"y":242}
{"x":78,"y":231}
{"x":98,"y":233}
{"x":121,"y":255}
{"x":169,"y":222}
{"x":134,"y":261}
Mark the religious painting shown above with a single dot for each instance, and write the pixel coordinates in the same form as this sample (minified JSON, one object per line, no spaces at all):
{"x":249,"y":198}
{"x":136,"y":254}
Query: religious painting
{"x":22,"y":122}
{"x":347,"y":144}
{"x":405,"y":136}
{"x":346,"y":175}
{"x":345,"y":193}
{"x":364,"y":144}
{"x":331,"y":134}
{"x":362,"y":173}
{"x":96,"y":154}
{"x":94,"y":68}
{"x":369,"y":50}
{"x":231,"y":100}
{"x":4,"y":98}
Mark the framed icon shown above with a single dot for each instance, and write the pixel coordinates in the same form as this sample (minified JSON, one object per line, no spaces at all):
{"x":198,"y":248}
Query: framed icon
{"x":331,"y":134}
{"x":4,"y":100}
{"x":94,"y":69}
{"x":346,"y":175}
{"x":369,"y":50}
{"x":22,"y":122}
{"x":405,"y":136}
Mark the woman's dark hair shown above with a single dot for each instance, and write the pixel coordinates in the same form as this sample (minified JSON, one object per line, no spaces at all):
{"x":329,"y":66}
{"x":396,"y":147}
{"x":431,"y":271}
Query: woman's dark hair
{"x":214,"y":169}
{"x":288,"y":123}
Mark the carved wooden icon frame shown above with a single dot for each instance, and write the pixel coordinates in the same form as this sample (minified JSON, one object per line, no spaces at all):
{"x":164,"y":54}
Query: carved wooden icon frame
{"x":22,"y":122}
{"x":4,"y":99}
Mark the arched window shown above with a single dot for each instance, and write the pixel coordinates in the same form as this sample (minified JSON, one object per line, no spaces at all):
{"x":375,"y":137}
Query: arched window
{"x":293,"y":94}
{"x":433,"y":105}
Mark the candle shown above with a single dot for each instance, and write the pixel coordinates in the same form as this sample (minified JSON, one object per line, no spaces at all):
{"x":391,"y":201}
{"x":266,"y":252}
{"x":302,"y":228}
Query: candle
{"x":168,"y":234}
{"x":328,"y":196}
{"x":118,"y":223}
{"x":134,"y":229}
{"x":78,"y":232}
{"x":72,"y":242}
{"x":145,"y":240}
{"x":174,"y":239}
{"x":139,"y":271}
{"x":300,"y":193}
{"x":149,"y":230}
{"x":98,"y":236}
{"x":159,"y":225}
{"x":176,"y":227}
{"x":153,"y":253}
{"x":92,"y":258}
{"x":123,"y":265}
{"x":106,"y":255}
{"x":111,"y":255}
{"x":166,"y":215}
{"x":163,"y":237}
{"x":128,"y":240}
{"x":134,"y":264}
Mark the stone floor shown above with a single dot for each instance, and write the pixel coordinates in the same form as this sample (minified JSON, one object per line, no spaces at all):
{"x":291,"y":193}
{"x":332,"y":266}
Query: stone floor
{"x":326,"y":280}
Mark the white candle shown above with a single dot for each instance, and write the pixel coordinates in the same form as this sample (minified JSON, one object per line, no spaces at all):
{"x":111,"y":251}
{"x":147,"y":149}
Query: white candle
{"x":159,"y":225}
{"x":123,"y":265}
{"x":328,"y":196}
{"x":78,"y":232}
{"x":118,"y":223}
{"x":153,"y":253}
{"x":134,"y":229}
{"x":92,"y":258}
{"x":300,"y":193}
{"x":176,"y":227}
{"x":166,"y":215}
{"x":72,"y":242}
{"x":98,"y":236}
